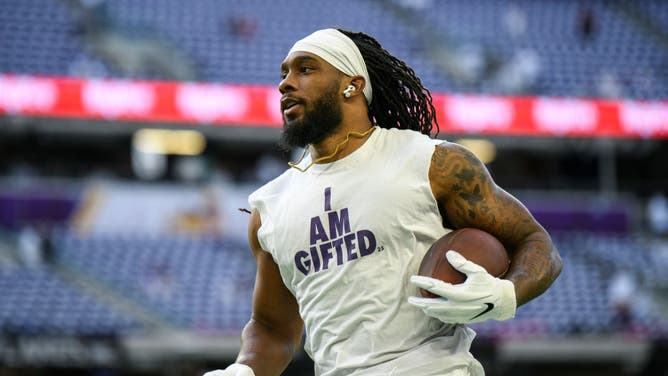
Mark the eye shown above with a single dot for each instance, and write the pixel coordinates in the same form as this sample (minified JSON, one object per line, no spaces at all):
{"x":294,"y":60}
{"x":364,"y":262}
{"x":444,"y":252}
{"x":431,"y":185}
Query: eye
{"x":283,"y":75}
{"x":306,"y":69}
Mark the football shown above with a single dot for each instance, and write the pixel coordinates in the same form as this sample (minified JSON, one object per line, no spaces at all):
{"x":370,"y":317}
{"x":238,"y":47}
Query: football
{"x":475,"y":245}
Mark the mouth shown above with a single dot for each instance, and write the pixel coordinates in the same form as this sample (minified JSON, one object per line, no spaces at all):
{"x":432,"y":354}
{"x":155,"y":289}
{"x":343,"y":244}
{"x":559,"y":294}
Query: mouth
{"x":289,"y":104}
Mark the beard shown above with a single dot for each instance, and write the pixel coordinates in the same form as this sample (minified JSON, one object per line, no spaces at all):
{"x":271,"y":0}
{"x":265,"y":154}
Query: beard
{"x":317,"y":123}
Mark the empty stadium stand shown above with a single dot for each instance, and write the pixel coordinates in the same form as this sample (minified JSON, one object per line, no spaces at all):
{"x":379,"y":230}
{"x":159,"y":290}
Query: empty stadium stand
{"x":566,"y":49}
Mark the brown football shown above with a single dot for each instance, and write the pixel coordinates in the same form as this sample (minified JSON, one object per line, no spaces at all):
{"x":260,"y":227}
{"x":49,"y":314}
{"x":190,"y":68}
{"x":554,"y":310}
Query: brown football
{"x":475,"y":245}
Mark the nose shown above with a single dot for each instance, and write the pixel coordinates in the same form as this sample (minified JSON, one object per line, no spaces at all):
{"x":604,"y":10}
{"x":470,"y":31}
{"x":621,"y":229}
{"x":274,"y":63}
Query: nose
{"x":287,"y":84}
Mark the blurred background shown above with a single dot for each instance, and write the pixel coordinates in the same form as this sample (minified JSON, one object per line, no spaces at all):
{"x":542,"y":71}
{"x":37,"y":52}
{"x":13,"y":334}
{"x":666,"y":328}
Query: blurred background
{"x":132,"y":131}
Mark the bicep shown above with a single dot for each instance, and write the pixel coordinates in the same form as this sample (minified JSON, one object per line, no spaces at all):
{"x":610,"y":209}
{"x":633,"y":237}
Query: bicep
{"x":469,"y":197}
{"x":274,"y":306}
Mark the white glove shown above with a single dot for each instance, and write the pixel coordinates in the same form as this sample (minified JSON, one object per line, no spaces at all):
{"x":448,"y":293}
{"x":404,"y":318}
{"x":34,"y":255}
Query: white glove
{"x":481,"y":297}
{"x":235,"y":369}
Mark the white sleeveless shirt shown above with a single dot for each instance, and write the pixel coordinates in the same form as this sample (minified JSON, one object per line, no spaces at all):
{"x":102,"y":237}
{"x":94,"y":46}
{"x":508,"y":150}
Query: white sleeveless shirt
{"x":347,"y":236}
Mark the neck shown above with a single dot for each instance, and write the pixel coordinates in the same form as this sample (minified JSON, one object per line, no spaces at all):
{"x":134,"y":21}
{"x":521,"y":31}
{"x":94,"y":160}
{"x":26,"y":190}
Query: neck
{"x":341,"y":149}
{"x":341,"y":143}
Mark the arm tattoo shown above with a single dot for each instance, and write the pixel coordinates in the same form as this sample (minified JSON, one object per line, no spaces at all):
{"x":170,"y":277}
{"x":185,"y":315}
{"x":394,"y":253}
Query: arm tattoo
{"x":470,"y":198}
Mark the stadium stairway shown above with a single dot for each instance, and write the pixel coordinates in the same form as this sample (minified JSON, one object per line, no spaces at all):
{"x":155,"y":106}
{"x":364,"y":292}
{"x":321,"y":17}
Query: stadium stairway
{"x":438,"y":50}
{"x":644,"y":22}
{"x":147,"y":318}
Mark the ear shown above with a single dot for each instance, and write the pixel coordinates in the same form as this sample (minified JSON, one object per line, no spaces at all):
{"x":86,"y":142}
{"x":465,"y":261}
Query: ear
{"x":359,"y":82}
{"x":353,"y":86}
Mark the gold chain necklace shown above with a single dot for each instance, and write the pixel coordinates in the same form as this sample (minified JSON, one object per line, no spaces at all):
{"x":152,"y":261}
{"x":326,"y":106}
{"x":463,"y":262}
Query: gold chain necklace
{"x":336,"y":150}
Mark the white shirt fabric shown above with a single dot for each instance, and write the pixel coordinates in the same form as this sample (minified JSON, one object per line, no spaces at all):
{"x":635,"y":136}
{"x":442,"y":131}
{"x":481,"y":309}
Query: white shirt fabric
{"x":347,"y":236}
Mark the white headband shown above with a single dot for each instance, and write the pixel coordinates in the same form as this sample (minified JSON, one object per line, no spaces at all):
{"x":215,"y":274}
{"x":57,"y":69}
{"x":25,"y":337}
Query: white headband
{"x":340,"y":51}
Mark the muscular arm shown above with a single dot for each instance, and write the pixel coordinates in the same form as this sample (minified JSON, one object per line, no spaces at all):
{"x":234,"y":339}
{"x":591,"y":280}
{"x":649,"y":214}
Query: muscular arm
{"x":469,"y":198}
{"x":271,"y":337}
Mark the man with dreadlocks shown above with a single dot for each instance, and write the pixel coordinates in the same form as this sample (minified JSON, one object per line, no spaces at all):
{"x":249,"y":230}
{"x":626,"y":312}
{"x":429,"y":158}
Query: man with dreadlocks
{"x":338,"y":237}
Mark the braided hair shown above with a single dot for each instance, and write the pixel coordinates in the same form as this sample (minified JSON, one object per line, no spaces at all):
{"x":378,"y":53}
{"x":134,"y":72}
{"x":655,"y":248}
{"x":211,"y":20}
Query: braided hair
{"x":399,"y":99}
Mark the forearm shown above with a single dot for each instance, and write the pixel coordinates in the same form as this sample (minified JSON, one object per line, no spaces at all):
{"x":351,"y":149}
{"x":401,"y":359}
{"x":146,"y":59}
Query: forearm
{"x":535,"y":265}
{"x":266,"y":351}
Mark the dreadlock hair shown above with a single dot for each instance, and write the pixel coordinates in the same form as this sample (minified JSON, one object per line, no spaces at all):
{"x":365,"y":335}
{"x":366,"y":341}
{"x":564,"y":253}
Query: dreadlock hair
{"x":399,"y":98}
